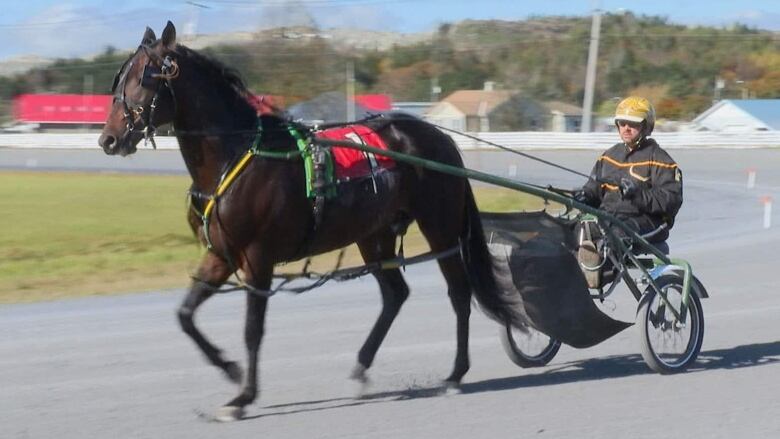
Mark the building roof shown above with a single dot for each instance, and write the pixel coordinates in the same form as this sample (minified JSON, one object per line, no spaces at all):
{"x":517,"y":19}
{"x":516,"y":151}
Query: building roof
{"x":328,"y":107}
{"x":563,"y":107}
{"x":415,"y":108}
{"x":376,"y":102}
{"x":469,"y":102}
{"x":764,"y":111}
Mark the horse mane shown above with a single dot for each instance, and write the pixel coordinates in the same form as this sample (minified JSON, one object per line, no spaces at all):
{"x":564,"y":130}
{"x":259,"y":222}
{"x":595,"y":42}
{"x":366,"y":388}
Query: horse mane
{"x":215,"y":68}
{"x":227,"y":82}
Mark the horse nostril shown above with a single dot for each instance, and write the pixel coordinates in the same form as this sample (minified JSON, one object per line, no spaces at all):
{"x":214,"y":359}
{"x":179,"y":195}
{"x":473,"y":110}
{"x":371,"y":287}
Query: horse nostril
{"x":106,"y":141}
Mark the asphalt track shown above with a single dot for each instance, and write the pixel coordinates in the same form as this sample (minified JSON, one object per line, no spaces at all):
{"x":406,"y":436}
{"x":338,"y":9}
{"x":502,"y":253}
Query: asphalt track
{"x":119,"y":366}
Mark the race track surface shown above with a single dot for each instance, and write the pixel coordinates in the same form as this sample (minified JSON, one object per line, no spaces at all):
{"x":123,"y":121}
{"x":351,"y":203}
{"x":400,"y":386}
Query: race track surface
{"x":119,"y":367}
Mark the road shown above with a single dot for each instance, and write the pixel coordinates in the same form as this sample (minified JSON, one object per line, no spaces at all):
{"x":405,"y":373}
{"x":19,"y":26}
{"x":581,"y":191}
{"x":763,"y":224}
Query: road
{"x":119,"y":366}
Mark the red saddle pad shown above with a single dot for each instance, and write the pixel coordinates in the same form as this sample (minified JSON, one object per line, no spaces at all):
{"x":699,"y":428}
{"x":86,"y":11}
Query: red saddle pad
{"x":352,"y":163}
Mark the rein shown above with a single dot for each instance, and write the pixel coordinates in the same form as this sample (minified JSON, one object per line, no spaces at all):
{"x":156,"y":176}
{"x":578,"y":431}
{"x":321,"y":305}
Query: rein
{"x":304,"y":151}
{"x":315,"y":159}
{"x":337,"y":274}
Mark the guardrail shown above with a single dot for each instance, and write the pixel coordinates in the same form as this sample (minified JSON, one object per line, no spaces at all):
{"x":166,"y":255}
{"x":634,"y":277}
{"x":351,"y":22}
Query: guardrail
{"x":514,"y":140}
{"x":69,"y":141}
{"x":675,"y":140}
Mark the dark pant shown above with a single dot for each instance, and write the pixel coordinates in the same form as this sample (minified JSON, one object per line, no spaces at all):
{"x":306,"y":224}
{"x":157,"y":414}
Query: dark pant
{"x":641,"y":224}
{"x":589,"y":231}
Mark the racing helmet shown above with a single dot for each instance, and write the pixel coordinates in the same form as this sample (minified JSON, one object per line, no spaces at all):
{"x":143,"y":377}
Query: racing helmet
{"x":637,"y":109}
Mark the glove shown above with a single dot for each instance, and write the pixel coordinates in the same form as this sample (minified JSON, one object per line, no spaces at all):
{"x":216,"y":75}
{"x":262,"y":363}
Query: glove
{"x":629,"y":188}
{"x":580,"y":196}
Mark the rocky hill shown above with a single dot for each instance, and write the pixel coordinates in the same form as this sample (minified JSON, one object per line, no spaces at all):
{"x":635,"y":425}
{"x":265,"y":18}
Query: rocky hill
{"x":676,"y":66}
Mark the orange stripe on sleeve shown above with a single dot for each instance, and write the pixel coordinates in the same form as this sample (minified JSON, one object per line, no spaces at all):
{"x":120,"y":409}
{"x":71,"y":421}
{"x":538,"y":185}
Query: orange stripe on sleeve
{"x":609,"y":187}
{"x":646,"y":163}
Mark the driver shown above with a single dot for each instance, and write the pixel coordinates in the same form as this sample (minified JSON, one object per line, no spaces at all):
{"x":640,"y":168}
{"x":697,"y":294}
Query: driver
{"x":635,"y":180}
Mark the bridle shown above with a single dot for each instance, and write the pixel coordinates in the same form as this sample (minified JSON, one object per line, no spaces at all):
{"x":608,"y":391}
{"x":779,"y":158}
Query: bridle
{"x":152,"y":78}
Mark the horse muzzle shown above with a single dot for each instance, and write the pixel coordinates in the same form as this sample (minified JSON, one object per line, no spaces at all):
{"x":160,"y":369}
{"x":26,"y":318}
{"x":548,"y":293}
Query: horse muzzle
{"x":122,"y":146}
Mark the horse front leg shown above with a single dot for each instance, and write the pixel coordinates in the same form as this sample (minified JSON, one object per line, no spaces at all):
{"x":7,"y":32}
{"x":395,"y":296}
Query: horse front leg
{"x":254,"y":329}
{"x":212,"y":273}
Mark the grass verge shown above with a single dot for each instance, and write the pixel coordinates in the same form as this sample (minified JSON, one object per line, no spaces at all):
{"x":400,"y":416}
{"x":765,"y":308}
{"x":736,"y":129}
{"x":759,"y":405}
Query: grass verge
{"x":71,"y":234}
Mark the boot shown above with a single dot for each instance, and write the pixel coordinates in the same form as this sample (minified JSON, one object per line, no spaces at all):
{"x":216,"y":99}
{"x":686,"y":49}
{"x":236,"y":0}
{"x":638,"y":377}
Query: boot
{"x":590,"y":263}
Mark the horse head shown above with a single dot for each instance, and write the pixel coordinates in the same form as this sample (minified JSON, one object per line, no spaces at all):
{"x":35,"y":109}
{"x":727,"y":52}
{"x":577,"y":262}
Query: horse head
{"x":142,"y":93}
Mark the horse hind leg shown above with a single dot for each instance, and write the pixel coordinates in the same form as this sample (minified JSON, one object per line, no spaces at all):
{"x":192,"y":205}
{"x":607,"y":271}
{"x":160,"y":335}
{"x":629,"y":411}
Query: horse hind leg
{"x":211,"y":273}
{"x":459,"y":292}
{"x":442,"y":236}
{"x":394,"y":290}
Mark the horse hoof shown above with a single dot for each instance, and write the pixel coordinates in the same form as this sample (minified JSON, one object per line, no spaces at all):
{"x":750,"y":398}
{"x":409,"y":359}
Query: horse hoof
{"x":229,"y":413}
{"x":450,"y":388}
{"x":359,"y":374}
{"x":360,"y":378}
{"x":234,"y":372}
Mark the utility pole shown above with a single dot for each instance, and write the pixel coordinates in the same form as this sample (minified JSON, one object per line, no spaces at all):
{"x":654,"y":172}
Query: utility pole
{"x":743,"y":87}
{"x":191,"y":27}
{"x":350,"y":91}
{"x":86,"y":98}
{"x":720,"y":84}
{"x":590,"y":74}
{"x":435,"y":89}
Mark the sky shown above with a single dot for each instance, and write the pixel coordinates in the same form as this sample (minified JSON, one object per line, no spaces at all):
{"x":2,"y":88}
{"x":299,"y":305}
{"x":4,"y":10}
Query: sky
{"x":74,"y":28}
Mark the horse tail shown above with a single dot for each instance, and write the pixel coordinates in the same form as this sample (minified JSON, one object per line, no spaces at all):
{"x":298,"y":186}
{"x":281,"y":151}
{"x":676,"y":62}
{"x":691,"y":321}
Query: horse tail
{"x":501,"y":306}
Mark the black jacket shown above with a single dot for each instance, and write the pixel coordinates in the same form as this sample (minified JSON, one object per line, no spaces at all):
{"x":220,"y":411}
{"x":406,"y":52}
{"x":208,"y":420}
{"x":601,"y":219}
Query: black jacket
{"x":659,"y":178}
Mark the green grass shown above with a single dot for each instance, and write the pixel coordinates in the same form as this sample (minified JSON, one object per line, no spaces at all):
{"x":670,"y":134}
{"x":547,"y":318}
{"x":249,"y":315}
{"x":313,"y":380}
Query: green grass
{"x":81,"y":234}
{"x":68,"y":234}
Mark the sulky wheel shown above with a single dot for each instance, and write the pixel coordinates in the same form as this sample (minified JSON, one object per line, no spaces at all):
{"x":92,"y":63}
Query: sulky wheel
{"x":667,"y":345}
{"x":529,"y":348}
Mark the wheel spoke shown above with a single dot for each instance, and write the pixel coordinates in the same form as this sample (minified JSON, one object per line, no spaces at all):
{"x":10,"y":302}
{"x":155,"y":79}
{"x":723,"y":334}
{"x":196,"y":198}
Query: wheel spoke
{"x":669,"y":346}
{"x":529,"y":347}
{"x":671,"y":343}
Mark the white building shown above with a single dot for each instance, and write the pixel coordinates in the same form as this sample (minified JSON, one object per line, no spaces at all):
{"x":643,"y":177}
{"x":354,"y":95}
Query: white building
{"x":740,"y":115}
{"x":502,"y":110}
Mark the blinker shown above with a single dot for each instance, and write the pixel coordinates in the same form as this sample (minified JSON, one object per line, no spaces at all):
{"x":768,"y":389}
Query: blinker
{"x":126,"y":66}
{"x":150,"y":76}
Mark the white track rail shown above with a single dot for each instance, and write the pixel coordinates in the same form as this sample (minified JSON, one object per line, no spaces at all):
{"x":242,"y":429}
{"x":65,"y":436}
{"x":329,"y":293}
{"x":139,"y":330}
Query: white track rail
{"x":514,"y":140}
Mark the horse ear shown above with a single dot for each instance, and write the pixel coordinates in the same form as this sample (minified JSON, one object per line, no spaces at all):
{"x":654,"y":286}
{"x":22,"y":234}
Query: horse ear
{"x":149,"y":37}
{"x":169,"y":36}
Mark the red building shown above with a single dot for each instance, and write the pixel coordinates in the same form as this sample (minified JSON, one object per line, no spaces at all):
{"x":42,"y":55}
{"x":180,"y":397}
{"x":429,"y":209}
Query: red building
{"x":59,"y":110}
{"x":375,"y":102}
{"x":71,"y":110}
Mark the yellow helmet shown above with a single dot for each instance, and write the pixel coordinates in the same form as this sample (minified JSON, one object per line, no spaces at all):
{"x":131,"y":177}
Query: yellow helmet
{"x":636,"y":109}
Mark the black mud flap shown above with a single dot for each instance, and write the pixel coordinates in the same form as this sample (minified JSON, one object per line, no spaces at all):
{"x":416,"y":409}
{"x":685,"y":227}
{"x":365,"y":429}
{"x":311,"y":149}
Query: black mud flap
{"x":534,"y":257}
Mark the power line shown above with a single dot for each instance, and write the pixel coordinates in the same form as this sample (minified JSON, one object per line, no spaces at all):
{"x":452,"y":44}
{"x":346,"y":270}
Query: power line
{"x":89,"y":21}
{"x":262,"y":3}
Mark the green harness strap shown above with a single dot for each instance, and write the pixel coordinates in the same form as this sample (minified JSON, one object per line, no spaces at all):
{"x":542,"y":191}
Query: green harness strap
{"x":318,"y":164}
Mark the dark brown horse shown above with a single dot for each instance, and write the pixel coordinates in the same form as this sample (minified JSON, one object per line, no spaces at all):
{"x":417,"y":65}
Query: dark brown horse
{"x":265,"y":217}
